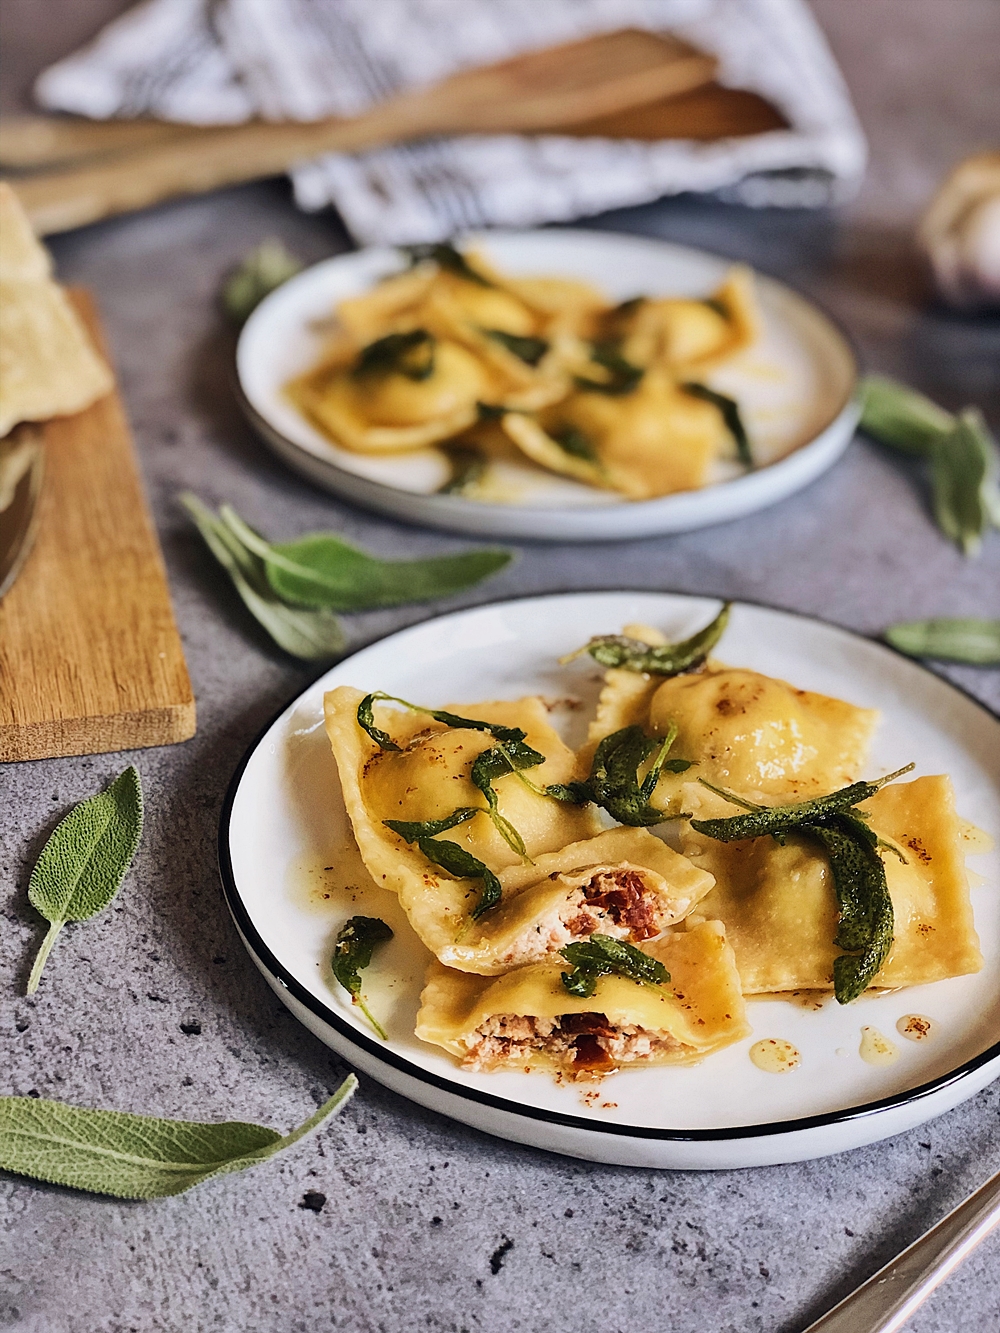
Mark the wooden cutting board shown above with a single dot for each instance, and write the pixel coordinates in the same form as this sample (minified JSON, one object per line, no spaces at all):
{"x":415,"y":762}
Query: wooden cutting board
{"x":90,"y":657}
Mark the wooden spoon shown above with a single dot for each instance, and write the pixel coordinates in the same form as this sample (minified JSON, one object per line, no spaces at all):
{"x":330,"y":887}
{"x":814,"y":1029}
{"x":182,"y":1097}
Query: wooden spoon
{"x":557,"y":86}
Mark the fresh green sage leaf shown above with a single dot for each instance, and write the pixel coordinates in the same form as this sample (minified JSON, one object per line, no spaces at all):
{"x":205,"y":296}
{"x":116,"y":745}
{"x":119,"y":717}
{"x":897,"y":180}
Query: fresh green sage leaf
{"x":357,"y":940}
{"x":314,"y":635}
{"x":900,"y":417}
{"x":730,"y":415}
{"x":528,"y":350}
{"x":668,"y":659}
{"x":81,"y":867}
{"x":964,"y":481}
{"x":257,"y":276}
{"x":447,"y":258}
{"x":321,"y":570}
{"x":601,"y":956}
{"x":718,"y":306}
{"x":976,"y":642}
{"x":136,"y":1156}
{"x":410,"y":354}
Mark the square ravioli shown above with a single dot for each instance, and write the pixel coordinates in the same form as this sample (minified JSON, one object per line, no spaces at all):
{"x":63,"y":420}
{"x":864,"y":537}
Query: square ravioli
{"x":574,"y":880}
{"x":779,"y":907}
{"x":526,"y":1018}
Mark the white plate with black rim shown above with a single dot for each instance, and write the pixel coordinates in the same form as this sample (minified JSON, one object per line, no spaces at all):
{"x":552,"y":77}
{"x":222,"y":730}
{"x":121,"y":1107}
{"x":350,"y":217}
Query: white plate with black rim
{"x":795,"y":386}
{"x":292,"y":878}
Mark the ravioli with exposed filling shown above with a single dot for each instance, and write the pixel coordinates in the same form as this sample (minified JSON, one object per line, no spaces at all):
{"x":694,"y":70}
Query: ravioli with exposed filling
{"x":779,"y":907}
{"x":526,"y":1018}
{"x":578,"y":880}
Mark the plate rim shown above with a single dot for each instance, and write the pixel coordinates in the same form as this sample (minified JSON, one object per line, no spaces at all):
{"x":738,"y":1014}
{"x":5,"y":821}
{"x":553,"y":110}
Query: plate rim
{"x":381,"y":1053}
{"x":456,"y":504}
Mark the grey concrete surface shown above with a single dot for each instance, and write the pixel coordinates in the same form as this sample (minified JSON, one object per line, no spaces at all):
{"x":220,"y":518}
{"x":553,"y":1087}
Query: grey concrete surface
{"x":428,"y":1225}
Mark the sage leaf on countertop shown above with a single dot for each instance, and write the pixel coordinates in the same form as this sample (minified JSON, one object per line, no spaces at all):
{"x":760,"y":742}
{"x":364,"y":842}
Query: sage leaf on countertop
{"x":963,"y":456}
{"x":900,"y":417}
{"x":81,"y":867}
{"x":322,"y":570}
{"x":976,"y":642}
{"x":136,"y":1156}
{"x":260,"y":272}
{"x":963,"y":475}
{"x":313,"y":635}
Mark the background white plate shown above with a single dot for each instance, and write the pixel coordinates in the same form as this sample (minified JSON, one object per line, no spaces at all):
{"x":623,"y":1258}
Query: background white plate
{"x":794,"y":386}
{"x":291,"y":885}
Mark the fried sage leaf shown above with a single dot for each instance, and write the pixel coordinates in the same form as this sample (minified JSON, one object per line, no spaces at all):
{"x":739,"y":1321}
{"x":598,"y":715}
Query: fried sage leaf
{"x":508,"y":735}
{"x":136,"y":1156}
{"x":602,"y":956}
{"x":468,"y":467}
{"x":257,"y":276}
{"x":81,"y":867}
{"x":614,"y":782}
{"x":414,"y":830}
{"x":571,"y":440}
{"x":449,"y":856}
{"x":976,"y":642}
{"x":410,"y":354}
{"x":621,"y":376}
{"x":762,"y":820}
{"x":357,"y":940}
{"x":965,"y":463}
{"x":528,"y":350}
{"x":865,"y":926}
{"x":313,"y":635}
{"x":730,"y":411}
{"x":668,"y":659}
{"x":447,"y":258}
{"x":498,"y":762}
{"x":900,"y":417}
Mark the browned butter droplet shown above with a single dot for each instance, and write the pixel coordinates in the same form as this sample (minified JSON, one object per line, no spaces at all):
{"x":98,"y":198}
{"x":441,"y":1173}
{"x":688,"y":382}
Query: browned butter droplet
{"x":775,"y":1055}
{"x":875,"y":1049}
{"x":916,"y":1027}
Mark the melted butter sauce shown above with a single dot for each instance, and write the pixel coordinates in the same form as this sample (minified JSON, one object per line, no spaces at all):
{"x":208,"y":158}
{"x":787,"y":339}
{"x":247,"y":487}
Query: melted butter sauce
{"x":916,"y":1027}
{"x":775,"y":1055}
{"x":875,"y":1049}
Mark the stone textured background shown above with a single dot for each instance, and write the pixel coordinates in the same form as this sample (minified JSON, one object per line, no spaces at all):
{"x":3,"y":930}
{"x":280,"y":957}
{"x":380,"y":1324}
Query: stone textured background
{"x":428,"y":1225}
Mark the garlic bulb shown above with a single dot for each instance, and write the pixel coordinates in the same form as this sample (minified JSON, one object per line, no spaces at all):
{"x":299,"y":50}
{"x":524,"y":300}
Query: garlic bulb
{"x":960,"y":233}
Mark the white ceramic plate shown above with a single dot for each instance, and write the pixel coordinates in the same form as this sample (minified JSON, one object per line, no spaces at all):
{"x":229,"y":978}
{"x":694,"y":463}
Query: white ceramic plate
{"x":291,"y":884}
{"x":795,"y":387}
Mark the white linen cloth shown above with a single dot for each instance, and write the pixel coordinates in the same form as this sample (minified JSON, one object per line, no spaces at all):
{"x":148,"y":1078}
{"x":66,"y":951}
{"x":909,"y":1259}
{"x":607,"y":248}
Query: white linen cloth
{"x":224,"y":61}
